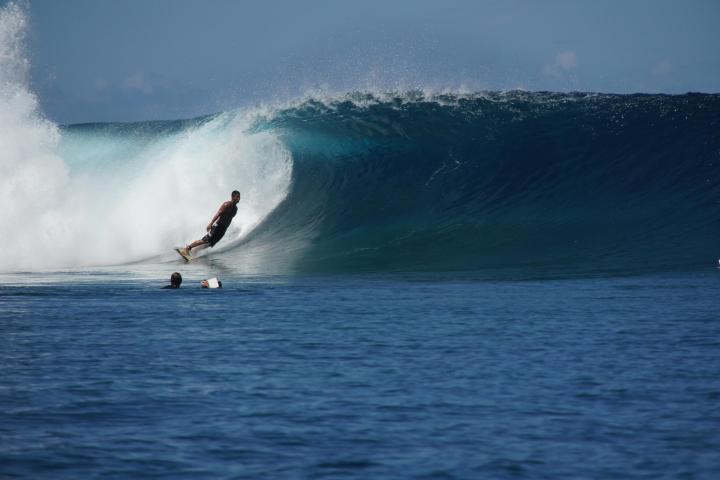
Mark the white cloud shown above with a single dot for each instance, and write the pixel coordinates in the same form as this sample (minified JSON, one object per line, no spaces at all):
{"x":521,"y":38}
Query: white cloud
{"x":138,"y":82}
{"x":564,"y":63}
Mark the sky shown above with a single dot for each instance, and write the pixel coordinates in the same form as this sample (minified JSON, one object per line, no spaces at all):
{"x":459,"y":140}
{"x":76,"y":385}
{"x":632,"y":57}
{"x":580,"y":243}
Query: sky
{"x":112,"y":60}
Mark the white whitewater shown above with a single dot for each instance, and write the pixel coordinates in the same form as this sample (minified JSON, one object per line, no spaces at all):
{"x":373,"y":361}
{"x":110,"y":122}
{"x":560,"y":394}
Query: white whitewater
{"x":77,"y":198}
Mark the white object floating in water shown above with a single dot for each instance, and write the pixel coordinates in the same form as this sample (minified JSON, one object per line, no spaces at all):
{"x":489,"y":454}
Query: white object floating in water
{"x":211,"y":283}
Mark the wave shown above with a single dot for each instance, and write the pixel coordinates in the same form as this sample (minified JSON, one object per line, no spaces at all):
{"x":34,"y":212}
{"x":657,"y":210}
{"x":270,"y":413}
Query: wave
{"x":525,"y":182}
{"x":530,"y":182}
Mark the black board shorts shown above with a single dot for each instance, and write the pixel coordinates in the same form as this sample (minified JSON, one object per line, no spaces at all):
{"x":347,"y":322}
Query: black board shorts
{"x":214,"y":235}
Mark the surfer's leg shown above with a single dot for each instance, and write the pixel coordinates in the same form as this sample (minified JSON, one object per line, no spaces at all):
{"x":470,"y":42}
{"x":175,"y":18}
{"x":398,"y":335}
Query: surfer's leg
{"x":194,"y":244}
{"x":210,"y":239}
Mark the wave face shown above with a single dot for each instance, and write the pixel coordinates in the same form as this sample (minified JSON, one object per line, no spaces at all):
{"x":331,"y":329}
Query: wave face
{"x":531,"y":182}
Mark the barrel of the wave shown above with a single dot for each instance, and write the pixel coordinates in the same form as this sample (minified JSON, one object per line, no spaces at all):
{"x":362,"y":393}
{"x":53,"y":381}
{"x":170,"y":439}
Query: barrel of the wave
{"x":520,"y":182}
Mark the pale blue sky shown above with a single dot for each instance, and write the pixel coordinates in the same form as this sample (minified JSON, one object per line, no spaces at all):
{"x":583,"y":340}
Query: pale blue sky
{"x":100,"y":60}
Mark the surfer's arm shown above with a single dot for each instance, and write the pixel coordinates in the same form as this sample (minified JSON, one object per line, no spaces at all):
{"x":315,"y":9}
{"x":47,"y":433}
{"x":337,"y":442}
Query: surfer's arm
{"x":217,"y":215}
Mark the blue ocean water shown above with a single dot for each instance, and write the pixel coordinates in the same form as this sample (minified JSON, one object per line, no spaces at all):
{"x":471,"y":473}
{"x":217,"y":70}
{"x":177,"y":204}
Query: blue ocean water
{"x":436,"y":375}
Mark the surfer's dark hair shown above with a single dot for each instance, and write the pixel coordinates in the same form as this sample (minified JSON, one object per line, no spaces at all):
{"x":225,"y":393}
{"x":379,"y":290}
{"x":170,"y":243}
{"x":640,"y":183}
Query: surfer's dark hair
{"x":234,"y":192}
{"x":175,"y":279}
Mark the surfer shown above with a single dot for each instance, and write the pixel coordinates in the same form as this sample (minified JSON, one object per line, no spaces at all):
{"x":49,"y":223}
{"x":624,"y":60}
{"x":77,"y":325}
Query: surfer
{"x":218,"y":225}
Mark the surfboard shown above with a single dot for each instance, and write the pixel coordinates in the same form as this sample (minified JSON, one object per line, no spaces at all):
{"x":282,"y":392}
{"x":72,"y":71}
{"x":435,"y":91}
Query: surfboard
{"x":181,"y":252}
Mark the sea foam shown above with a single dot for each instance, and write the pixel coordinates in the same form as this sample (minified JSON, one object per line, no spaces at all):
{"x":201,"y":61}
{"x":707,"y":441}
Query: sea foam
{"x":81,"y":198}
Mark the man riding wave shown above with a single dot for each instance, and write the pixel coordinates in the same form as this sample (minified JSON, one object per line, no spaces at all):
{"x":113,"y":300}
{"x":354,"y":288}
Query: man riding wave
{"x":218,"y":225}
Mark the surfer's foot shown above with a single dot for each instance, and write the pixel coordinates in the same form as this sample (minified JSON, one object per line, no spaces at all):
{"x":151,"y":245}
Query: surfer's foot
{"x":186,"y":251}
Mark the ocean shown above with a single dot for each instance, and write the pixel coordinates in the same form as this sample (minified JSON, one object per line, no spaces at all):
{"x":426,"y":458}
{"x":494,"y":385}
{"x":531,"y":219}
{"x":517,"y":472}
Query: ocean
{"x":105,"y":375}
{"x":417,"y":285}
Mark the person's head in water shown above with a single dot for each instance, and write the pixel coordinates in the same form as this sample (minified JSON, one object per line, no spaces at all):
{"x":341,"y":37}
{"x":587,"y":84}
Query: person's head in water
{"x":235,"y":196}
{"x":175,"y":280}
